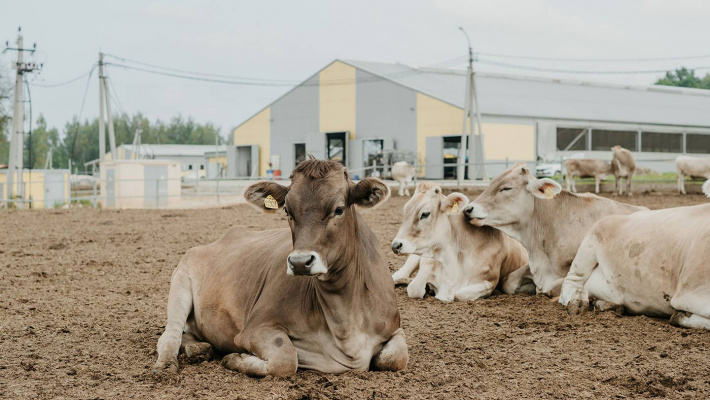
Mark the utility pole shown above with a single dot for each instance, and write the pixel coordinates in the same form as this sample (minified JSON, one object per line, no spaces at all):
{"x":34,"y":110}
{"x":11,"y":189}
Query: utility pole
{"x":476,"y":158}
{"x":14,"y":170}
{"x":104,"y":97}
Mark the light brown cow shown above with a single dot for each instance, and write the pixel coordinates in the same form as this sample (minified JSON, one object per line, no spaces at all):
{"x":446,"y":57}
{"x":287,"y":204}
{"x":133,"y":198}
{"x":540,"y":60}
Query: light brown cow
{"x":623,"y":166}
{"x":403,"y":173}
{"x":694,"y":167}
{"x":550,"y":223}
{"x":651,"y":262}
{"x":315,"y":296}
{"x":597,"y":169}
{"x":469,"y":261}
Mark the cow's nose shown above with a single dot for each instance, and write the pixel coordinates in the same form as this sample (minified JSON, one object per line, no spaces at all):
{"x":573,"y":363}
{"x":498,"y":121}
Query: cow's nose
{"x":396,"y":246}
{"x":301,"y":261}
{"x":468,"y":210}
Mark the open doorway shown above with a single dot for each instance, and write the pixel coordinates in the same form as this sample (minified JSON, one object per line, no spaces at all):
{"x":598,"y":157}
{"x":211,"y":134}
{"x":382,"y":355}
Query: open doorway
{"x":336,"y":147}
{"x":299,"y":156}
{"x":451,"y":155}
{"x":372,"y":152}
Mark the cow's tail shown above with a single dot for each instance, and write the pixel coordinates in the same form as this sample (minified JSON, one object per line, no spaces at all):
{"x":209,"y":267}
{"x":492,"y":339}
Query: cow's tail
{"x":179,"y":308}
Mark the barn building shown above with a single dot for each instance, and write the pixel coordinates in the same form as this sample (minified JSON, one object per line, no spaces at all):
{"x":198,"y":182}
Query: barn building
{"x":351,"y":109}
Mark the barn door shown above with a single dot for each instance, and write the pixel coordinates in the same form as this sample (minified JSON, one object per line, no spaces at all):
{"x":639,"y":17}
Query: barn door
{"x":53,"y":188}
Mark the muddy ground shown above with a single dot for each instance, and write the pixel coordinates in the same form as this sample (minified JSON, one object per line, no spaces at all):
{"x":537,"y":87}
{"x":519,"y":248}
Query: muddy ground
{"x":83,"y":296}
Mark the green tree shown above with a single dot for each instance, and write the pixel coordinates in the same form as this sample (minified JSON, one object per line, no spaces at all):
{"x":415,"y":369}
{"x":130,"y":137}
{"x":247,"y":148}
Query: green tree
{"x":5,"y":117}
{"x":43,"y":138}
{"x":684,"y":77}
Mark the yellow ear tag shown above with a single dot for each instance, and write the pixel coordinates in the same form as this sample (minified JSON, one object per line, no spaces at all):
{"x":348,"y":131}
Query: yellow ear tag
{"x":271,"y":203}
{"x":549,"y":192}
{"x":455,"y":208}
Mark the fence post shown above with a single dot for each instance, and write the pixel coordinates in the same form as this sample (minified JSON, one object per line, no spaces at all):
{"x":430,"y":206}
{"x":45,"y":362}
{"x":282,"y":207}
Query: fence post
{"x":93,"y":180}
{"x":157,"y":193}
{"x":218,"y":190}
{"x":506,"y":163}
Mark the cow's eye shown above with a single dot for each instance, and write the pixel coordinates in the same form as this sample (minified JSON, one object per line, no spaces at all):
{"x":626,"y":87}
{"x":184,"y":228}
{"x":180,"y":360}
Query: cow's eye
{"x":425,"y":215}
{"x":506,"y":189}
{"x":339,"y":211}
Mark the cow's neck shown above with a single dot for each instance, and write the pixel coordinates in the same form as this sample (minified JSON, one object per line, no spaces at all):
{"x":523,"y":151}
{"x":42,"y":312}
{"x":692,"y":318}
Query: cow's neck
{"x":344,"y":289}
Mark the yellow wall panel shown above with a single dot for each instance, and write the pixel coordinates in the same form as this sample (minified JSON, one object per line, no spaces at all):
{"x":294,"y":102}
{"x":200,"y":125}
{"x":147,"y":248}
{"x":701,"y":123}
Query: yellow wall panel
{"x":337,"y":98}
{"x":257,"y":130}
{"x":435,"y":118}
{"x":516,"y":142}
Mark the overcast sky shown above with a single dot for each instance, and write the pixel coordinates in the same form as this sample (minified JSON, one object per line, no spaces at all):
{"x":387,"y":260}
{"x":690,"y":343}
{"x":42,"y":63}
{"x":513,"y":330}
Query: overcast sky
{"x":291,"y":40}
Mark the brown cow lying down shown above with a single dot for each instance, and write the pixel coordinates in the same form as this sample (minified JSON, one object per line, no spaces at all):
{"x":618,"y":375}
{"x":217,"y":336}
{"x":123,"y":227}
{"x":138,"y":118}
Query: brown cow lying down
{"x":549,"y":222}
{"x":651,"y":262}
{"x":461,"y":261}
{"x":315,"y":296}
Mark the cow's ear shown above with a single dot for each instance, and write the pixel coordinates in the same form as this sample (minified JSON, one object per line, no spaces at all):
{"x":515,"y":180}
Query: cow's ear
{"x":544,"y":188}
{"x":267,"y":196}
{"x":454,"y":203}
{"x":368,"y":193}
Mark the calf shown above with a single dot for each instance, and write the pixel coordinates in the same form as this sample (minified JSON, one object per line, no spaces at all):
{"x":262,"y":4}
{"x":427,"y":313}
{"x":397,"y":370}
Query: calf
{"x":315,"y":296}
{"x":623,"y":166}
{"x":596,"y":169}
{"x":695,"y":167}
{"x":550,"y":223}
{"x":403,"y":173}
{"x":460,"y":261}
{"x":651,"y":262}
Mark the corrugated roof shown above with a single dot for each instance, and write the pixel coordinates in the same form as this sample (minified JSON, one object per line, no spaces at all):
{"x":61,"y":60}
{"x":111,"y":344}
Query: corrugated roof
{"x":519,"y":96}
{"x":166,"y":150}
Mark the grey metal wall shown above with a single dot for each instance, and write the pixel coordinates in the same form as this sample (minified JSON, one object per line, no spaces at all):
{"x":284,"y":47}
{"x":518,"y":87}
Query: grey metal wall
{"x":294,"y":118}
{"x":383,"y":110}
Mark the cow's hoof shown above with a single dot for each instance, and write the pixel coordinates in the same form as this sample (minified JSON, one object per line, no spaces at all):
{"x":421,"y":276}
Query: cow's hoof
{"x":677,"y":317}
{"x":577,"y":306}
{"x":604,"y":306}
{"x":403,"y":281}
{"x":165,"y":367}
{"x":198,"y":352}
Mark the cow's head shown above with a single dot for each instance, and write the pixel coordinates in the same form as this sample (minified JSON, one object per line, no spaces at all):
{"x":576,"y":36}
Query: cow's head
{"x":320,"y":205}
{"x":510,"y":198}
{"x":426,"y":219}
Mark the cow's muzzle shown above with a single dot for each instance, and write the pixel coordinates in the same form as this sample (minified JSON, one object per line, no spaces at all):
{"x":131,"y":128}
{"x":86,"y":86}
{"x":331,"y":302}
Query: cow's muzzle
{"x":305,"y":263}
{"x":474,"y":214}
{"x":402,"y":246}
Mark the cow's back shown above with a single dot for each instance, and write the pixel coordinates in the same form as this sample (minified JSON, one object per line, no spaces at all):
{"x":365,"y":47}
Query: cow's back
{"x":693,"y":166}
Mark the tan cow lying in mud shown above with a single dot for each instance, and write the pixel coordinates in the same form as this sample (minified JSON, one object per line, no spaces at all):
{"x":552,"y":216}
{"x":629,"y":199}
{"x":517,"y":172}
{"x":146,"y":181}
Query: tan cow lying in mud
{"x":597,"y":169}
{"x":651,"y":262}
{"x":550,"y":223}
{"x":694,"y":167}
{"x":315,"y":296}
{"x":461,"y":261}
{"x":623,"y":166}
{"x":403,"y":173}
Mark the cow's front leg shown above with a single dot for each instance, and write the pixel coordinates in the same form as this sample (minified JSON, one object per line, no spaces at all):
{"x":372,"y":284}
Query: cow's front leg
{"x":394,"y":356}
{"x":417,"y":288}
{"x":475,"y":291}
{"x":271,"y":352}
{"x":403,"y":275}
{"x":552,"y":289}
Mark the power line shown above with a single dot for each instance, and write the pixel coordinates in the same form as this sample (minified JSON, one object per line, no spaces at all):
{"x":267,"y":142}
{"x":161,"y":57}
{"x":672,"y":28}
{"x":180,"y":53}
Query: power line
{"x":67,"y":82}
{"x":569,"y":71}
{"x":495,"y":55}
{"x":197,"y":78}
{"x":182,"y":71}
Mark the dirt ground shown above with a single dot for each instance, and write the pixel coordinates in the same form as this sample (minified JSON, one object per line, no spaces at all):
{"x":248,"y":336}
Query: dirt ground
{"x":83,"y":298}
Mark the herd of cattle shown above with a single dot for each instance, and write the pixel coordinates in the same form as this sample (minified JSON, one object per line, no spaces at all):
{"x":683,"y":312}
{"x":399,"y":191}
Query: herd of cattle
{"x":522,"y":234}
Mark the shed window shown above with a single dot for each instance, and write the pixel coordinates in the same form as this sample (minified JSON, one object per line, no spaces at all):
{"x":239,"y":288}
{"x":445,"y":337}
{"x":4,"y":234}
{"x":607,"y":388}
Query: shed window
{"x":660,"y":142}
{"x":300,"y":153}
{"x":604,"y":140}
{"x":565,"y":136}
{"x":697,"y":143}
